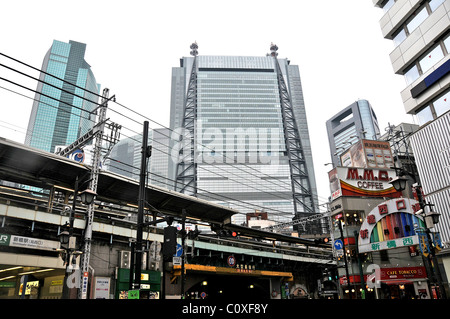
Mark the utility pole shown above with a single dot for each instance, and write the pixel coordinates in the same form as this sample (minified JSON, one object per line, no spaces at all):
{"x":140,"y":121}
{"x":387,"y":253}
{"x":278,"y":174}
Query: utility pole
{"x":183,"y":256}
{"x":95,"y":170}
{"x":345,"y":257}
{"x":146,"y":153}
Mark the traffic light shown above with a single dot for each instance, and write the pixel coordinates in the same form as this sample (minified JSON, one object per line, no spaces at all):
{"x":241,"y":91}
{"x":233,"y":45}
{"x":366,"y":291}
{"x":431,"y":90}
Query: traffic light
{"x":227,"y":233}
{"x":169,"y":246}
{"x":221,"y":232}
{"x":324,"y":240}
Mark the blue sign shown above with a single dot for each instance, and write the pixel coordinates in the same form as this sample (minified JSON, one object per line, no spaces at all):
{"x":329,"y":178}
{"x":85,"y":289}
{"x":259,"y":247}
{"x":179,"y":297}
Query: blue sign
{"x":231,"y":261}
{"x":338,"y":244}
{"x":179,"y":251}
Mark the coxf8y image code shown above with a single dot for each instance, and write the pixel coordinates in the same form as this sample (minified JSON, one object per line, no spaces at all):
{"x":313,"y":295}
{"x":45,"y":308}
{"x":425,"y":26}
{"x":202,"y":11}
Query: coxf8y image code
{"x":230,"y":308}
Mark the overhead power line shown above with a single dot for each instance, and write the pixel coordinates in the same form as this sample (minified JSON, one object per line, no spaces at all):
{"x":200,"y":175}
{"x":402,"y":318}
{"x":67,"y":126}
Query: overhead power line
{"x":119,"y":113}
{"x":52,"y":75}
{"x":52,"y":85}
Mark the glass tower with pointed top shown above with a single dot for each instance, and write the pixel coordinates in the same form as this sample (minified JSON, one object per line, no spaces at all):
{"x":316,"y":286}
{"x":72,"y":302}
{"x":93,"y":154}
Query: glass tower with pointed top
{"x":58,"y":117}
{"x":239,"y":156}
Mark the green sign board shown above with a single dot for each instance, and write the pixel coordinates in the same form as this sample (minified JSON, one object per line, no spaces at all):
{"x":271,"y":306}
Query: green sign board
{"x":133,"y":294}
{"x":4,"y":239}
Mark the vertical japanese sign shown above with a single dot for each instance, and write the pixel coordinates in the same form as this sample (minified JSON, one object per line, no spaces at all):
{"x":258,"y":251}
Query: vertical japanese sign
{"x":424,"y":245}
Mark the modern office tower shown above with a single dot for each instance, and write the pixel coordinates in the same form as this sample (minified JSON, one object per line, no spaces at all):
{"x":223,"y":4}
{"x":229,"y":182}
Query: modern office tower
{"x":125,"y":157}
{"x":61,"y":111}
{"x":245,"y":140}
{"x":420,"y":34}
{"x":356,"y":121}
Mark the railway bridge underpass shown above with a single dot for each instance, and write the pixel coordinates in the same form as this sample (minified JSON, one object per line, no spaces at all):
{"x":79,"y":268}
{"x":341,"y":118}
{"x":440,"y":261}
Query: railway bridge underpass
{"x":37,"y":187}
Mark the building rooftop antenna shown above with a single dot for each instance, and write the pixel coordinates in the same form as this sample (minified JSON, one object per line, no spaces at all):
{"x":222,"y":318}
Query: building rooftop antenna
{"x":273,"y":50}
{"x":194,"y":49}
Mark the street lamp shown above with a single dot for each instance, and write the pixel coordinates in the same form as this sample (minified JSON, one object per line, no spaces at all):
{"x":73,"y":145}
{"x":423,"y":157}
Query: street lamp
{"x":431,"y":218}
{"x":64,"y":238}
{"x":399,"y":183}
{"x":68,"y":242}
{"x":87,"y":196}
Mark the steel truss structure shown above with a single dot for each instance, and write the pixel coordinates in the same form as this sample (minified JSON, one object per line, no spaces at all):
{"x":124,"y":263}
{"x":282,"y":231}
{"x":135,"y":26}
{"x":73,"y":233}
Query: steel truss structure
{"x":186,"y":170}
{"x":301,"y":188}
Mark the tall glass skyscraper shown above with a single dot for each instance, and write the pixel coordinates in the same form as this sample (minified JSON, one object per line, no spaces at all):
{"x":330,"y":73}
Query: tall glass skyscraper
{"x":125,"y":157}
{"x":240,"y":154}
{"x":356,"y":121}
{"x":58,"y":117}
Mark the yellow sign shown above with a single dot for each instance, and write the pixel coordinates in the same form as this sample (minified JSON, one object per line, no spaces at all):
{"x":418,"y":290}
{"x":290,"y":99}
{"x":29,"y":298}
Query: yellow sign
{"x":30,"y":285}
{"x":144,"y":277}
{"x":56,"y":282}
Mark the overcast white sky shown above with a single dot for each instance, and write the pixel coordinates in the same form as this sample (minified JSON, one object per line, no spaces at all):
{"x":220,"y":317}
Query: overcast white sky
{"x":132,"y":46}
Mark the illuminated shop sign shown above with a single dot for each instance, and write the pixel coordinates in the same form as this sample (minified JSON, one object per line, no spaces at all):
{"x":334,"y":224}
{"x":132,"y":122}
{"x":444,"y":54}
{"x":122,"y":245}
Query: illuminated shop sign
{"x":402,"y":273}
{"x":352,"y":181}
{"x":390,"y":225}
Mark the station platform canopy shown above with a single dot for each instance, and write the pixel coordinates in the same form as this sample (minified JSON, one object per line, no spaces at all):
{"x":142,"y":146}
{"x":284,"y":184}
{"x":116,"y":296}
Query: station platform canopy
{"x":26,"y":165}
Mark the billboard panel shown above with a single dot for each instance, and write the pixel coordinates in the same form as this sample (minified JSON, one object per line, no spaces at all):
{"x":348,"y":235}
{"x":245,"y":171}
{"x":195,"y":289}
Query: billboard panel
{"x":354,"y":181}
{"x":368,"y":153}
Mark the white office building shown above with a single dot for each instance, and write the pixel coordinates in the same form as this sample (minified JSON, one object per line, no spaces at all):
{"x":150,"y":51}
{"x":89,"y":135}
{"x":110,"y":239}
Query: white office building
{"x":420,"y":32}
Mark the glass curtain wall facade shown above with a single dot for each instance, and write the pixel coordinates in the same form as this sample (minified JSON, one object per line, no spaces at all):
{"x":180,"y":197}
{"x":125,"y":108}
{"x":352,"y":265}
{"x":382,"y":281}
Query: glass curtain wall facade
{"x":356,"y":121}
{"x":241,"y":153}
{"x":58,"y":117}
{"x":125,"y":157}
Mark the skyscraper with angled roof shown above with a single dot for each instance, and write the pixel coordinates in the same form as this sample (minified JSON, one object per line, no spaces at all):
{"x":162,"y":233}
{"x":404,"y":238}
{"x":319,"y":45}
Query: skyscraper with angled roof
{"x":246,"y":135}
{"x":65,"y":98}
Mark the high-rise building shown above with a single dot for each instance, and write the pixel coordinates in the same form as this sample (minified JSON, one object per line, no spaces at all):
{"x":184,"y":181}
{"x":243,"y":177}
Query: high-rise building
{"x":125,"y":157}
{"x":245,"y":134}
{"x":356,"y":121}
{"x":61,"y":111}
{"x":420,"y":31}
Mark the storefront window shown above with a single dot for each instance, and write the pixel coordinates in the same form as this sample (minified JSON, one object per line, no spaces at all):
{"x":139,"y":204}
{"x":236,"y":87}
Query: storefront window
{"x":353,"y":218}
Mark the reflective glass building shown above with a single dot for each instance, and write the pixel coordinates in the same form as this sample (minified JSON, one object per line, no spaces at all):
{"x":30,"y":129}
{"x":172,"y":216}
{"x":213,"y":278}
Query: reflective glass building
{"x":356,"y":121}
{"x":58,"y":117}
{"x":125,"y":157}
{"x":240,"y":150}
